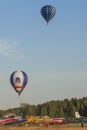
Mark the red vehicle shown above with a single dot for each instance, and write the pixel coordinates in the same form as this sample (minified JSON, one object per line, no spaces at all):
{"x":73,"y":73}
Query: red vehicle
{"x":7,"y":121}
{"x":10,"y":119}
{"x":59,"y":121}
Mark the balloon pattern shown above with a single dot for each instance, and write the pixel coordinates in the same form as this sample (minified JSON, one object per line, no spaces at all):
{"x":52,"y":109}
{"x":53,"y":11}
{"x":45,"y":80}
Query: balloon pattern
{"x":18,"y":80}
{"x":48,"y":12}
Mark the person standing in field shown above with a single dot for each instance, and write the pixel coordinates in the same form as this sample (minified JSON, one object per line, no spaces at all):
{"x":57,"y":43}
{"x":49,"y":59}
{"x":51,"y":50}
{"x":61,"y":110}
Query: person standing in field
{"x":47,"y":124}
{"x":82,"y":124}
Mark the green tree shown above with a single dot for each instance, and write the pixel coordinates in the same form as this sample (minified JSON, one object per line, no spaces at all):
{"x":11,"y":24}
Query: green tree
{"x":71,"y":109}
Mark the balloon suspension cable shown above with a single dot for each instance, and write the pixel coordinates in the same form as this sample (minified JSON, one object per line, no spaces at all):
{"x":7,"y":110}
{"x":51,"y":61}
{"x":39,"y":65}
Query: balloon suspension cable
{"x":19,"y":94}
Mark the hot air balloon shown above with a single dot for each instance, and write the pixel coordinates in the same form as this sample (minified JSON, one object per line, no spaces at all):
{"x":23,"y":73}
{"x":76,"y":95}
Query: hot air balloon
{"x":48,"y":12}
{"x":19,"y":80}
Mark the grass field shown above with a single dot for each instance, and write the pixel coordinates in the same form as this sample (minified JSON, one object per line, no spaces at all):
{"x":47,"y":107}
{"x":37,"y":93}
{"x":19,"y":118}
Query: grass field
{"x":58,"y":127}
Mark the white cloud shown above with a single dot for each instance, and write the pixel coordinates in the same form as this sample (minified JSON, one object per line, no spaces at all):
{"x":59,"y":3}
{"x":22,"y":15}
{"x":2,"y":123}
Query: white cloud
{"x":11,"y":48}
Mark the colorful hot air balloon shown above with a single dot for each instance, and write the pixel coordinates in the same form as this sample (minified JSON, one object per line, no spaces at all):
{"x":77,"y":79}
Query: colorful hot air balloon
{"x":48,"y":12}
{"x":18,"y":80}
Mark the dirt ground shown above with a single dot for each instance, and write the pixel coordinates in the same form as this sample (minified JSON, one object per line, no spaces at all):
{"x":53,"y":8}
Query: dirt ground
{"x":58,"y":127}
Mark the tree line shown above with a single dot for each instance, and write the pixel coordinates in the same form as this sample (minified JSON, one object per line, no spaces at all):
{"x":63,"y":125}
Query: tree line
{"x":53,"y":108}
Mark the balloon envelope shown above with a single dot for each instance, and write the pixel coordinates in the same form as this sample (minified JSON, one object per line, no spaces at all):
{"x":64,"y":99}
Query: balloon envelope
{"x":19,"y":80}
{"x":48,"y":12}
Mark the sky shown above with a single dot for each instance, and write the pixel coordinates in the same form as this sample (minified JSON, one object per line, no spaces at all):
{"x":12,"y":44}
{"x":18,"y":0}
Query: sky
{"x":54,"y":56}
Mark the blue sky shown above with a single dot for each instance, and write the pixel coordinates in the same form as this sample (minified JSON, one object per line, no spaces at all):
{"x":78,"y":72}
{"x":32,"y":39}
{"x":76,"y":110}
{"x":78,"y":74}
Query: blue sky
{"x":54,"y":56}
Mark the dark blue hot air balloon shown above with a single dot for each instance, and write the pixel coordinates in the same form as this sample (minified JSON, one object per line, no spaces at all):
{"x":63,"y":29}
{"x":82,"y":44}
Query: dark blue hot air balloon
{"x":48,"y":12}
{"x":19,"y":80}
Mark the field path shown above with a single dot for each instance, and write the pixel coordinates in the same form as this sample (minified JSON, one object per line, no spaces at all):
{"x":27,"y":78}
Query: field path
{"x":58,"y":127}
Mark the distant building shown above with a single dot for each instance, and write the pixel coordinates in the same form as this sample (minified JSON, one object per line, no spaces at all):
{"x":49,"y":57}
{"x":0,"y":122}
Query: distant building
{"x":23,"y":105}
